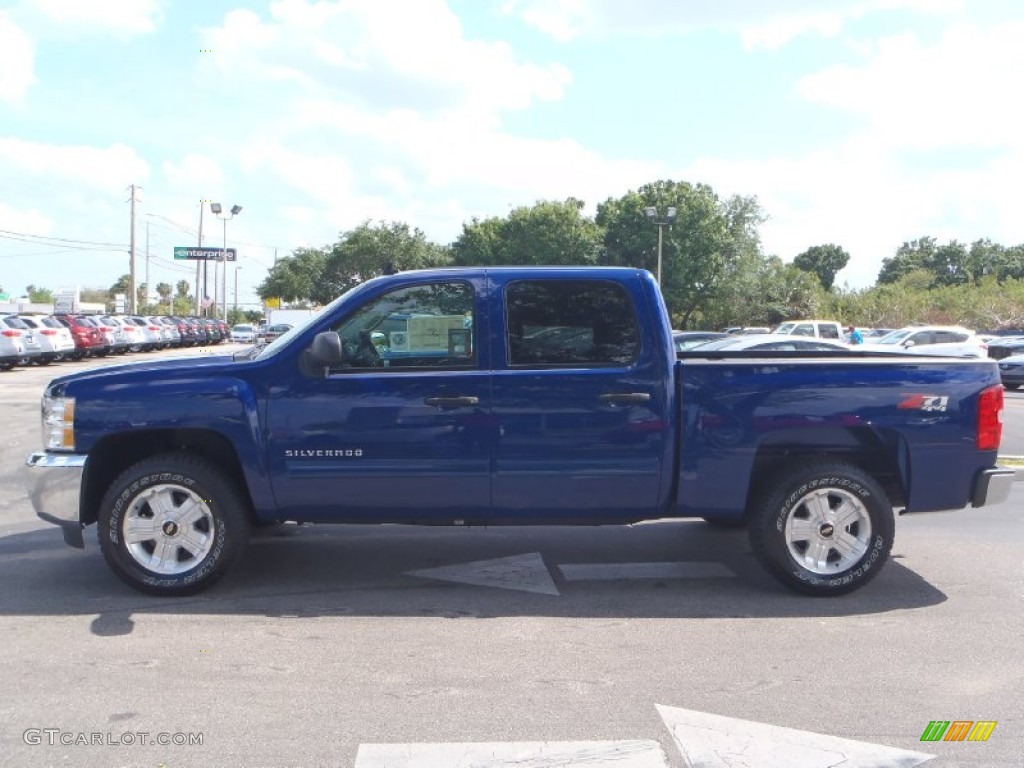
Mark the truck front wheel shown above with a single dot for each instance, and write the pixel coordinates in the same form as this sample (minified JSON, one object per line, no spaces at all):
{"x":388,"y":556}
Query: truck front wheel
{"x":172,"y":524}
{"x":825,"y":528}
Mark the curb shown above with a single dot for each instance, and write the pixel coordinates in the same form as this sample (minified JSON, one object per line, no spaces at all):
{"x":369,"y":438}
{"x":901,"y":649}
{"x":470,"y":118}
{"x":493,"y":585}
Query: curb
{"x":1019,"y":475}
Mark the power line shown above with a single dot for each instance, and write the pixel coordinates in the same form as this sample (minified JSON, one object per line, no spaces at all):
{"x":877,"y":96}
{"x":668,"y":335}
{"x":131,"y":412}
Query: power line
{"x":58,"y":239}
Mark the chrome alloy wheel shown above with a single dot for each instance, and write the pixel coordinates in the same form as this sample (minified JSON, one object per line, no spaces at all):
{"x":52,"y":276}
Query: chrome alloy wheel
{"x":828,"y":531}
{"x":168,"y":529}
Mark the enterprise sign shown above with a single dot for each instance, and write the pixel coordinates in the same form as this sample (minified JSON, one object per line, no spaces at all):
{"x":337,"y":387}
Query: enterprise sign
{"x":203,"y":254}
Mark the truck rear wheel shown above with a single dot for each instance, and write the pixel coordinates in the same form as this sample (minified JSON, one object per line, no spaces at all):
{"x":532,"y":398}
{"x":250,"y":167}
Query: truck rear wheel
{"x":825,"y":528}
{"x":172,"y":525}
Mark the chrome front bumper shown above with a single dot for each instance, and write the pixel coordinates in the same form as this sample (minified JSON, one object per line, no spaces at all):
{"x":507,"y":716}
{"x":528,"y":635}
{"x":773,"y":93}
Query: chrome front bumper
{"x":992,"y":486}
{"x":54,"y":483}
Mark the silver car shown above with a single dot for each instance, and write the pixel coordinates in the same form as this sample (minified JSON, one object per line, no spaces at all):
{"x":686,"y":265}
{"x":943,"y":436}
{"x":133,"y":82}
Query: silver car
{"x":149,"y":336}
{"x":169,"y":329}
{"x":117,"y":339}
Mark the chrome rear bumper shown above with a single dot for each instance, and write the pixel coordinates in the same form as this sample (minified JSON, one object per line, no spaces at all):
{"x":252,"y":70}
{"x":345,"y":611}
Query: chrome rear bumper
{"x":992,"y":486}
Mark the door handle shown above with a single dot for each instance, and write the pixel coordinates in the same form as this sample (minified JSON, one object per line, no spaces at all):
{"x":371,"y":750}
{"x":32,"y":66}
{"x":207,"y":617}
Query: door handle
{"x":615,"y":398}
{"x":452,"y":402}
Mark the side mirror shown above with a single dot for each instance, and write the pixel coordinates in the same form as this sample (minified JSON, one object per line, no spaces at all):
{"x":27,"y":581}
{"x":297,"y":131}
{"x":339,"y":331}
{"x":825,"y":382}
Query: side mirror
{"x":326,"y":349}
{"x":908,"y":343}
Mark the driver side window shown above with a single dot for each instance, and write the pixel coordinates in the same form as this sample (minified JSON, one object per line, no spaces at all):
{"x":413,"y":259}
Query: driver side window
{"x":420,"y":326}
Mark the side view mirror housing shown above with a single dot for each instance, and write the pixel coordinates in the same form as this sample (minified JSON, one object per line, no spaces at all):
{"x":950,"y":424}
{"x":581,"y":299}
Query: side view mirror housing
{"x":323,"y":354}
{"x":326,"y":349}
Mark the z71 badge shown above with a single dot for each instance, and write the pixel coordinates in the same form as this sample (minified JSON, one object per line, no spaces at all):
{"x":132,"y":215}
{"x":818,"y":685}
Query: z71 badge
{"x":924,"y":403}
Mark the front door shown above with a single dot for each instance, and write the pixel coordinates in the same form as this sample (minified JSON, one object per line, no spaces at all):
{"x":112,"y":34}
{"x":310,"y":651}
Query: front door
{"x":400,"y":432}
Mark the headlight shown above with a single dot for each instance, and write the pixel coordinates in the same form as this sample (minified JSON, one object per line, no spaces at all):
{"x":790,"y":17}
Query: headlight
{"x":59,"y":423}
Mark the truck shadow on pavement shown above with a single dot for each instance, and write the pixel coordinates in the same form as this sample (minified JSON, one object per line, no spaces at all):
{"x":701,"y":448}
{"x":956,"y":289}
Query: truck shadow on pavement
{"x":367,"y":571}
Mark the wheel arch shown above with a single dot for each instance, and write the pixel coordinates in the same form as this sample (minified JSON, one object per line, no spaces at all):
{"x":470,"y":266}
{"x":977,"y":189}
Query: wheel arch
{"x":883,"y":454}
{"x":114,"y":454}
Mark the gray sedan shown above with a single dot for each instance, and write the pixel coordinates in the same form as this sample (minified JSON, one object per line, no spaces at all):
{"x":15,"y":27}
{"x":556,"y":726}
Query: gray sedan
{"x":1011,"y":371}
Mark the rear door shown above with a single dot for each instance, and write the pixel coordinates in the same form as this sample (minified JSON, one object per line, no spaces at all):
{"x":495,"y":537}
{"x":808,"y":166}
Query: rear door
{"x":579,"y":400}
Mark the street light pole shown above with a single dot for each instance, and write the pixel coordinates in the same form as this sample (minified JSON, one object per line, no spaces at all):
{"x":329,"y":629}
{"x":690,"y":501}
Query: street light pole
{"x":216,"y":208}
{"x":652,"y":214}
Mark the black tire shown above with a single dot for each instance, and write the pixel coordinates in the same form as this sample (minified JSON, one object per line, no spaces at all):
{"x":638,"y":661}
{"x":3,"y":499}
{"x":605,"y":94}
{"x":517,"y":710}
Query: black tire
{"x":1011,"y":386}
{"x":800,"y":539}
{"x":205,"y":524}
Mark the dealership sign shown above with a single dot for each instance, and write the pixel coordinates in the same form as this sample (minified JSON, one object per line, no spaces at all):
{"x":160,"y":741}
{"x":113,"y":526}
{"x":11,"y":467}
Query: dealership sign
{"x":203,"y":254}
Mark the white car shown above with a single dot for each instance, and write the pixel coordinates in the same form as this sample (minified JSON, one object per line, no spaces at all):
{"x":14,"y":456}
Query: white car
{"x":13,"y":327}
{"x":817,"y":329}
{"x":54,"y":339}
{"x":12,"y":348}
{"x":243,"y":333}
{"x":946,"y":340}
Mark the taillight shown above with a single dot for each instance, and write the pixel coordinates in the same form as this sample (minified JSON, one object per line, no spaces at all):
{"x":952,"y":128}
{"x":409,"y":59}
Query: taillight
{"x":47,"y":331}
{"x":11,"y":334}
{"x":154,"y":327}
{"x":990,"y":422}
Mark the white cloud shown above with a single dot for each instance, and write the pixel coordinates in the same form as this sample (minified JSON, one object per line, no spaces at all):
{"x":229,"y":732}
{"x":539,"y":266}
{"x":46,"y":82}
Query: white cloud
{"x":858,"y":195}
{"x":17,"y":57}
{"x":29,"y":221}
{"x":959,"y":91}
{"x":387,"y":53}
{"x":112,"y":168}
{"x":759,"y":24}
{"x":195,"y":172}
{"x":125,"y":16}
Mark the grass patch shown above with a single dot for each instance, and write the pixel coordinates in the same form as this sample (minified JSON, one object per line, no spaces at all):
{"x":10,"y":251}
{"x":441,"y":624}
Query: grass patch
{"x":1005,"y":461}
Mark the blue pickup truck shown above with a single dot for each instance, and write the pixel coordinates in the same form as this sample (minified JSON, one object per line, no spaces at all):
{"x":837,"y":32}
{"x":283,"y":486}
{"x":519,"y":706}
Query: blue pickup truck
{"x":512,"y":396}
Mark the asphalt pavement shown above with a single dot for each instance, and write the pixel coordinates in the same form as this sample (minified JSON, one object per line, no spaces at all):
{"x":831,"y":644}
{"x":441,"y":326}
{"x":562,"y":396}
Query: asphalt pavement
{"x":658,"y":644}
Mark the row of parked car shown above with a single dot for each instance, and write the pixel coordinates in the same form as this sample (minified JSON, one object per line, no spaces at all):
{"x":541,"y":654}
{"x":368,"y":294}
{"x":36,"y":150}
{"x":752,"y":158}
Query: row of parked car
{"x":953,"y":341}
{"x":42,"y":339}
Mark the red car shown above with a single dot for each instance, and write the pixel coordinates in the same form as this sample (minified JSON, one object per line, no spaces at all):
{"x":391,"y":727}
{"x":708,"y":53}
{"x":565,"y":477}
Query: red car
{"x":89,"y":339}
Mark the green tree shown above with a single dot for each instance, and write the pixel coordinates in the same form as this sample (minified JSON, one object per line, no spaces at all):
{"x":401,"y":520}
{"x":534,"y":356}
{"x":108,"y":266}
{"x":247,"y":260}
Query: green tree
{"x":479,"y":244}
{"x":702,"y":251}
{"x":370,"y":250}
{"x":38,"y":295}
{"x":164,"y":290}
{"x":910,"y":257}
{"x":548,"y":232}
{"x":825,"y":261}
{"x":295,"y":277}
{"x":121,"y":286}
{"x":182,"y":287}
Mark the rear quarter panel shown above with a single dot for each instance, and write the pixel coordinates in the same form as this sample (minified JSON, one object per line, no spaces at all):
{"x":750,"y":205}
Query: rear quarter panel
{"x":921,"y":415}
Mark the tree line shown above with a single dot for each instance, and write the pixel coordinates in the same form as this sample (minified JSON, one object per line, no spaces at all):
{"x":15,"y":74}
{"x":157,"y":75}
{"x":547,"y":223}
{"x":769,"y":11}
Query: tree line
{"x":714,"y":270}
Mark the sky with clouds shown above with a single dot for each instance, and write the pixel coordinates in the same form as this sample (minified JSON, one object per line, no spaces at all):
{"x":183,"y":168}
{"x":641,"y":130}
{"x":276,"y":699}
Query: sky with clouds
{"x":859,"y":122}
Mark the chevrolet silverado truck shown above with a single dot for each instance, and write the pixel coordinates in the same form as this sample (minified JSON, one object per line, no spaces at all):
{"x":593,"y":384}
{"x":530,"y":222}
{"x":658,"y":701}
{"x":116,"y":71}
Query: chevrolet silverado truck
{"x":512,"y":396}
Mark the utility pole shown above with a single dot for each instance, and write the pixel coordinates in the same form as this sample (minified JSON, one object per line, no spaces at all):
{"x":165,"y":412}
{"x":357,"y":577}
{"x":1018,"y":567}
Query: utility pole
{"x":148,"y":284}
{"x":200,"y":264}
{"x":132,"y":298}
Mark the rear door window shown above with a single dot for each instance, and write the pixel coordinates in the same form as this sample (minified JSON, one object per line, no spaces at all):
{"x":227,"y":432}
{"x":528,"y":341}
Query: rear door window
{"x":570,"y":323}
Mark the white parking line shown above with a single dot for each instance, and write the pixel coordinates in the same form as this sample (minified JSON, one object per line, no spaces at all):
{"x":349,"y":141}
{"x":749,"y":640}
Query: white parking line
{"x":526,"y":754}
